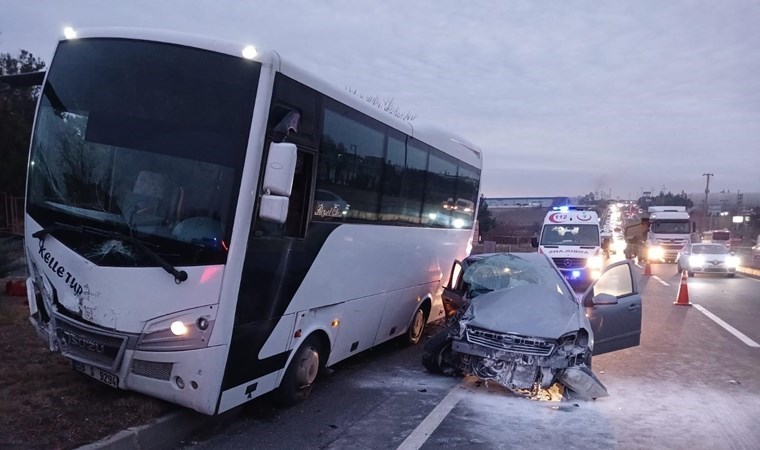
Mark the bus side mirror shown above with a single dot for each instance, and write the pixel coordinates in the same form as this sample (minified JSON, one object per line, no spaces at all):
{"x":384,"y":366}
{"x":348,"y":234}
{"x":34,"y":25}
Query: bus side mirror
{"x":278,"y":181}
{"x":534,"y":242}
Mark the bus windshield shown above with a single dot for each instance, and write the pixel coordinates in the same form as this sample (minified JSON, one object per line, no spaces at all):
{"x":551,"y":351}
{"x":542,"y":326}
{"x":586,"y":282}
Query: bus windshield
{"x":142,"y":138}
{"x":585,"y":235}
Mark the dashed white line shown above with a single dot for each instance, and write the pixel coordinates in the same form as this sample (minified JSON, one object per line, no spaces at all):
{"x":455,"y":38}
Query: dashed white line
{"x":425,"y":429}
{"x":660,"y":280}
{"x":741,"y":336}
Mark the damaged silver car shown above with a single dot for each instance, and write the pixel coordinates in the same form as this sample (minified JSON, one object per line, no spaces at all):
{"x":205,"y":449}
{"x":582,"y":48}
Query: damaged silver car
{"x":512,"y":318}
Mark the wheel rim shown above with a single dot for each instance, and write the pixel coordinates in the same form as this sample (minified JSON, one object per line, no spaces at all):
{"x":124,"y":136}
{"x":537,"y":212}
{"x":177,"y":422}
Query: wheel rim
{"x":308,"y":367}
{"x":417,"y":325}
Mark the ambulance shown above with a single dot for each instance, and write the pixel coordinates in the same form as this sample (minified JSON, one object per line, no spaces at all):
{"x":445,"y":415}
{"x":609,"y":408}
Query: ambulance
{"x":571,"y":237}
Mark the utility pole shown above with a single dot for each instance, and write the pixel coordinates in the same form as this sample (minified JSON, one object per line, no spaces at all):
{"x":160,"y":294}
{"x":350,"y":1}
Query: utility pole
{"x":707,"y":193}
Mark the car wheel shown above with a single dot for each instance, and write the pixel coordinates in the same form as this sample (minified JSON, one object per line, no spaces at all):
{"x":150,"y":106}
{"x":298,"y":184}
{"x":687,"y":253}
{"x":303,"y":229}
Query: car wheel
{"x":731,"y":275}
{"x":436,"y":351}
{"x":680,"y":269}
{"x":301,"y":373}
{"x":414,"y":333}
{"x":691,"y":274}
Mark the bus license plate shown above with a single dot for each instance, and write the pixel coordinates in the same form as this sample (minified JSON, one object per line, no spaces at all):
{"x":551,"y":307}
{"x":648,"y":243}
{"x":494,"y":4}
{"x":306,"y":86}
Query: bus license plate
{"x":99,"y":374}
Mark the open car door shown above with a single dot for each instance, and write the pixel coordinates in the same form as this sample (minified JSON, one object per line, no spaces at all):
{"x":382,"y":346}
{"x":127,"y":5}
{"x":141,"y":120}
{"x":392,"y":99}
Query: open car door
{"x":613,"y":306}
{"x":453,"y":295}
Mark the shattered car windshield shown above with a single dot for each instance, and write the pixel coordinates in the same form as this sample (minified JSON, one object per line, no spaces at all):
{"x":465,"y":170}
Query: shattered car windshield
{"x":508,"y":271}
{"x":144,"y":139}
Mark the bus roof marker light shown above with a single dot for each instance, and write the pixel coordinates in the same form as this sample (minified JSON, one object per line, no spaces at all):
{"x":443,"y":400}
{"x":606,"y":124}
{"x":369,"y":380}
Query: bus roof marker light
{"x":69,"y":33}
{"x":249,"y":52}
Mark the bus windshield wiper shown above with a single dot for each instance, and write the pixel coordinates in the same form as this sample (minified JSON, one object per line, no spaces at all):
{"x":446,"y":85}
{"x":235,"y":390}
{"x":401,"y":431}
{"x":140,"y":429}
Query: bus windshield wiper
{"x":179,"y":275}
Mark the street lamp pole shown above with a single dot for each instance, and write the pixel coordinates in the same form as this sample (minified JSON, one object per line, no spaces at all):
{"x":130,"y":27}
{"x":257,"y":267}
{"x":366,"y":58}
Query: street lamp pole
{"x":707,"y":193}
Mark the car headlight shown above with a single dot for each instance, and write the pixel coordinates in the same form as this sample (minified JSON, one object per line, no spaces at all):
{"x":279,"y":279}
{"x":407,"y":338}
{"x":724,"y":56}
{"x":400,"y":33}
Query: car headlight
{"x":595,"y":262}
{"x":732,"y":261}
{"x":620,"y":246}
{"x":696,"y":260}
{"x":656,"y":252}
{"x":185,"y":330}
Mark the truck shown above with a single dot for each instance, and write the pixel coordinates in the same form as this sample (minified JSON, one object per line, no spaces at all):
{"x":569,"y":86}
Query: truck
{"x":572,"y":239}
{"x":659,"y":235}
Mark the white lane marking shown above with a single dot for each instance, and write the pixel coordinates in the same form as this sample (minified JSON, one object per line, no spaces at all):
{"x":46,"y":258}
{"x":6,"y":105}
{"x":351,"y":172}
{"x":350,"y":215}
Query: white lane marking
{"x":747,"y":277}
{"x":660,"y":280}
{"x":741,"y":336}
{"x":425,"y":429}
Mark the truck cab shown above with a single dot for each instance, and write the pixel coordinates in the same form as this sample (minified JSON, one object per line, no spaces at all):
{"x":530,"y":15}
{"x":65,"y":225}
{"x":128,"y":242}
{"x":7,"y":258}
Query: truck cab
{"x":572,"y":239}
{"x":670,"y":229}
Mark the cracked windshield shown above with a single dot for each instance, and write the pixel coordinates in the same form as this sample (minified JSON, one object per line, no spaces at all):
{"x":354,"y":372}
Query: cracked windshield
{"x":124,"y":143}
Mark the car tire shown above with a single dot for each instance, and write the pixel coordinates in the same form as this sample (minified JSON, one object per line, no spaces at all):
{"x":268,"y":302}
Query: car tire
{"x":731,"y":275}
{"x":416,"y":328}
{"x":434,"y":352}
{"x":680,"y":269}
{"x":300,"y":375}
{"x":690,"y":273}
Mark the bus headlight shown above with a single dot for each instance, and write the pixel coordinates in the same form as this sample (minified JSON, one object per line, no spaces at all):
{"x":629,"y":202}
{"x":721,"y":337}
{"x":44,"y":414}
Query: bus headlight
{"x":656,"y":252}
{"x":595,"y":262}
{"x":185,"y":330}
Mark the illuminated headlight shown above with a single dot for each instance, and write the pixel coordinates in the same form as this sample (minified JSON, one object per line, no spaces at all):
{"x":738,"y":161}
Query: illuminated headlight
{"x":732,"y":261}
{"x":595,"y":262}
{"x":696,"y":261}
{"x":180,"y":331}
{"x":620,"y":246}
{"x":656,"y":252}
{"x":458,"y":223}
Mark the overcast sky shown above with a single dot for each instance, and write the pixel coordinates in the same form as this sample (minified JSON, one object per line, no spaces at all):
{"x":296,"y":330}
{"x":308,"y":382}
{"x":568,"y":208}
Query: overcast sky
{"x":564,"y":97}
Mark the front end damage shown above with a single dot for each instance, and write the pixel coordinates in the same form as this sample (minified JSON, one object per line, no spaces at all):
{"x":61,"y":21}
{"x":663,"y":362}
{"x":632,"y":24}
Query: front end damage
{"x":523,"y":364}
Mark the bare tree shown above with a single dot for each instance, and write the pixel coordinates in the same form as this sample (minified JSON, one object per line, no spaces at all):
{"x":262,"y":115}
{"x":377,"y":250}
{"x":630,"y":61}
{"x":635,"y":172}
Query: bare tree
{"x":387,"y":104}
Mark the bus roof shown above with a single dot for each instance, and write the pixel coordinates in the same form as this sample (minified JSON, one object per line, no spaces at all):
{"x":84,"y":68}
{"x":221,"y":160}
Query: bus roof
{"x":439,"y":138}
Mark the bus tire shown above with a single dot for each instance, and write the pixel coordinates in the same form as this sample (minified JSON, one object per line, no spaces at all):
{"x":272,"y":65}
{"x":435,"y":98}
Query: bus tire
{"x":300,"y":375}
{"x":417,"y":327}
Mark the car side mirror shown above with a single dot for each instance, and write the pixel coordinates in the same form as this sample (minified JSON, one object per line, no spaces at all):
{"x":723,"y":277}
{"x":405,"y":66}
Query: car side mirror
{"x":604,"y":299}
{"x":534,"y":242}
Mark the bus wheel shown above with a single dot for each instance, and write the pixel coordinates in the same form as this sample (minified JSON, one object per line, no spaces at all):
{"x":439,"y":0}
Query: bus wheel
{"x":414,"y":333}
{"x":300,"y":374}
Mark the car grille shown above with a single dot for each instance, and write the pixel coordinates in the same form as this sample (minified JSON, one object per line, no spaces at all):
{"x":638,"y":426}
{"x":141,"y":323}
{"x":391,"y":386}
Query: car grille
{"x":89,"y":345}
{"x":570,"y":263}
{"x":510,"y":342}
{"x":152,"y":369}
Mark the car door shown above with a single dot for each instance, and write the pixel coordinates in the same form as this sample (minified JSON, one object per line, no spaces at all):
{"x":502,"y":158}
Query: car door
{"x":453,"y":294}
{"x":616,"y":323}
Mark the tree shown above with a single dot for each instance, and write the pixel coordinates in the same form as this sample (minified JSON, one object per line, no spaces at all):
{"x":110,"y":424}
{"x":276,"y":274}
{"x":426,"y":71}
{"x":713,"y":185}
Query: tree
{"x":387,"y":104}
{"x":486,"y":222}
{"x":16,"y":118}
{"x":666,"y":199}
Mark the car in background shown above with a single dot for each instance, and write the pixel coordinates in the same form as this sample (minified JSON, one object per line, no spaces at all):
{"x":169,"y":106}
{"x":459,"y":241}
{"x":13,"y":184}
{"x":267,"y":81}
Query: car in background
{"x":513,"y":318}
{"x":707,"y":258}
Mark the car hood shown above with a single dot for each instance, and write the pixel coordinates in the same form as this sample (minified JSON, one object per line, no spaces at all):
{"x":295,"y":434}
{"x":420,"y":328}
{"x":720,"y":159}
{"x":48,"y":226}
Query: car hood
{"x":532,"y":310}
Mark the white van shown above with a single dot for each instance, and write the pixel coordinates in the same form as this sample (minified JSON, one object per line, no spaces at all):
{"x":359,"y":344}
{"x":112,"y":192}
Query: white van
{"x":572,"y":239}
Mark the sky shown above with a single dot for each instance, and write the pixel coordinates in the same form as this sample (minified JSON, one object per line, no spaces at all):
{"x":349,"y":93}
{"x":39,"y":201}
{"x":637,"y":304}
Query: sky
{"x":564,"y":97}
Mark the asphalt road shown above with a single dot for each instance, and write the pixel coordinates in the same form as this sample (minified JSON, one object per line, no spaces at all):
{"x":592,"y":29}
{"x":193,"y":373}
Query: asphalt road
{"x":690,"y":384}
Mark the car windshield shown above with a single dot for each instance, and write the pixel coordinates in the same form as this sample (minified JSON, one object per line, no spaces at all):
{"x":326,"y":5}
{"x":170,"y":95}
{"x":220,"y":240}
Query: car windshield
{"x":709,"y":250}
{"x":142,"y":138}
{"x":508,"y":271}
{"x":585,"y":235}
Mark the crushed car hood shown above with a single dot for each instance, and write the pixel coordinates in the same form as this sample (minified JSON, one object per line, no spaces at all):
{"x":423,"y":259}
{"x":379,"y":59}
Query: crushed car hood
{"x":531,"y":310}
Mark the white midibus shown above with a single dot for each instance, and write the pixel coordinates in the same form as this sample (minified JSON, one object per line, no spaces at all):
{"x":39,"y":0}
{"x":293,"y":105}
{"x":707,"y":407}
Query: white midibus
{"x":206,"y":223}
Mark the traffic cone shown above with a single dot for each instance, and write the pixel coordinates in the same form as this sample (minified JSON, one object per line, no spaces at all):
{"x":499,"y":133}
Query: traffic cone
{"x":683,"y":291}
{"x":647,"y":268}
